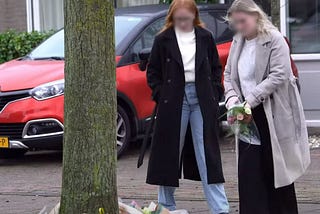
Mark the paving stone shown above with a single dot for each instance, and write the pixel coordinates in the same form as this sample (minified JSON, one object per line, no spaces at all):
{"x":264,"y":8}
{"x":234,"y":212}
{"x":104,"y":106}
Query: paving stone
{"x":33,"y":183}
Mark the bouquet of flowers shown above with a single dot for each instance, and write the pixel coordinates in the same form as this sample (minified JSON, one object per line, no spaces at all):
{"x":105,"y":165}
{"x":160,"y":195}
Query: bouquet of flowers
{"x":242,"y":125}
{"x":153,"y":208}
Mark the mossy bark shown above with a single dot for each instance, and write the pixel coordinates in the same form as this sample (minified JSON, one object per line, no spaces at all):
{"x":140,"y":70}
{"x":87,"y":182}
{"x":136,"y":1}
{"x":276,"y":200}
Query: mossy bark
{"x":89,"y":150}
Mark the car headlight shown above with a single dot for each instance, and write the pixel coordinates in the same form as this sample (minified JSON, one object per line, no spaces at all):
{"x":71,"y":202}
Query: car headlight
{"x":48,"y":90}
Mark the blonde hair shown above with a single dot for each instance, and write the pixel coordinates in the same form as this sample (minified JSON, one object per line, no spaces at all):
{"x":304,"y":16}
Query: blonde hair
{"x":250,"y":7}
{"x":188,"y":4}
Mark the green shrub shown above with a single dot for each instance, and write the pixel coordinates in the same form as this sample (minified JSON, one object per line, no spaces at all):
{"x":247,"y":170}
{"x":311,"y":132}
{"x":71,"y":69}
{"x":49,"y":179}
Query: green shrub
{"x":14,"y":44}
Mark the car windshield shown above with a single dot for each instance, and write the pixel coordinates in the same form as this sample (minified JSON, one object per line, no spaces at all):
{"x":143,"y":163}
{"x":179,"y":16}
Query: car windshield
{"x":53,"y":48}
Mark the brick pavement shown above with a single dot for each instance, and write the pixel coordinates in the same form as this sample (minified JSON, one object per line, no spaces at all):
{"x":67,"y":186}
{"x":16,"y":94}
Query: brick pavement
{"x":190,"y":196}
{"x":33,"y":184}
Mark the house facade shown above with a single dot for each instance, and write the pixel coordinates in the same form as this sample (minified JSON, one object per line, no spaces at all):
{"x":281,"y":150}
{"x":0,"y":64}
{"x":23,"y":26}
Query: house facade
{"x":41,"y":15}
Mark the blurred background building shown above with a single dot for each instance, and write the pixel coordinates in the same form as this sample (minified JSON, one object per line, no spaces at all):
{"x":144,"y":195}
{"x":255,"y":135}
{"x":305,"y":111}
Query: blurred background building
{"x":300,"y":22}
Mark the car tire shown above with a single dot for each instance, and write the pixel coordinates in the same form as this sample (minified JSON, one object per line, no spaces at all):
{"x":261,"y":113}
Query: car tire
{"x":12,"y":153}
{"x":123,"y":131}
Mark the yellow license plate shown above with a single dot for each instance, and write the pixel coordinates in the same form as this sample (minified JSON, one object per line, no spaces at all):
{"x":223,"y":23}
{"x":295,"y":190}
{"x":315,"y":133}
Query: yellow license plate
{"x":4,"y":142}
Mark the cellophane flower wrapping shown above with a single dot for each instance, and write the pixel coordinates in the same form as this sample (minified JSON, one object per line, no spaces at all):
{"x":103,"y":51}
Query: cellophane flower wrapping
{"x":242,"y":125}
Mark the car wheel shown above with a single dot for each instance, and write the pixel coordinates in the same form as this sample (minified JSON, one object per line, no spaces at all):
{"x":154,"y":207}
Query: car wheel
{"x":12,"y":153}
{"x":123,"y":131}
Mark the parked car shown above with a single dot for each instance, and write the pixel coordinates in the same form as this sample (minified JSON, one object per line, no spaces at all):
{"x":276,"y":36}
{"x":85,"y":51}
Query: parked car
{"x":32,"y":87}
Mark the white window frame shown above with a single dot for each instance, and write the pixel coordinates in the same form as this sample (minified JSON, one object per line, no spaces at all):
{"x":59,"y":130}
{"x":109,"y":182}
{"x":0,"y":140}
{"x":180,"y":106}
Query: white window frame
{"x":33,"y":15}
{"x":284,"y":11}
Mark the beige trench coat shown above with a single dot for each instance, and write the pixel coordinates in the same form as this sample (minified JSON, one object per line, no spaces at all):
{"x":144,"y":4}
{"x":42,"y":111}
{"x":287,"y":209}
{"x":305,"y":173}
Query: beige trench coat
{"x":277,"y":90}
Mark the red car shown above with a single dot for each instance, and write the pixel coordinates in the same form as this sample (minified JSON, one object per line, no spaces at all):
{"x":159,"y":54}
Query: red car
{"x":32,"y":87}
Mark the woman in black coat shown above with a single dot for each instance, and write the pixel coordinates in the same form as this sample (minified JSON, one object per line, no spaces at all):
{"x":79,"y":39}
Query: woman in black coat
{"x":184,"y":74}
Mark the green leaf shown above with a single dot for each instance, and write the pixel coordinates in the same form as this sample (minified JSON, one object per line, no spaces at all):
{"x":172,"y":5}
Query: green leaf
{"x":17,"y":44}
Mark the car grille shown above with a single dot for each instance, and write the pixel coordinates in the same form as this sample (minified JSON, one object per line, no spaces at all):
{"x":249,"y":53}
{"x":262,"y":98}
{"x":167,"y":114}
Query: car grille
{"x":11,"y":130}
{"x":7,"y":97}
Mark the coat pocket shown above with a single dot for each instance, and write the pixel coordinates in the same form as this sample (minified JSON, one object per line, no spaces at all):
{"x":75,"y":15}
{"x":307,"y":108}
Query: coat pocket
{"x":285,"y":128}
{"x":296,"y":105}
{"x":283,"y":116}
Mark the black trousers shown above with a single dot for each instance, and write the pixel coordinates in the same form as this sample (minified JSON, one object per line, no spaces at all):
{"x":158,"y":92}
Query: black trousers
{"x":256,"y":176}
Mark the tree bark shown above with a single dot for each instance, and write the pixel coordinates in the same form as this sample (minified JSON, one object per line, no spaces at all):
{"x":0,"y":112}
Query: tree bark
{"x":275,"y":12}
{"x":89,"y":150}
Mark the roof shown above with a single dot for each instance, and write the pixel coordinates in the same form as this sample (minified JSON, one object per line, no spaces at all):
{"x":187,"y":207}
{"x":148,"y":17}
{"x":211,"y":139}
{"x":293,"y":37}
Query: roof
{"x":161,"y":9}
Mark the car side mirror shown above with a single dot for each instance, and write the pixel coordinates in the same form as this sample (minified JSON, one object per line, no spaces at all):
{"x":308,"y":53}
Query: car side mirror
{"x":144,"y":55}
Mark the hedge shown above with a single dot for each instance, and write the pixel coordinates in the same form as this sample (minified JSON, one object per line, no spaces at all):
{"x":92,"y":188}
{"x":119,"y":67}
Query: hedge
{"x":17,"y":44}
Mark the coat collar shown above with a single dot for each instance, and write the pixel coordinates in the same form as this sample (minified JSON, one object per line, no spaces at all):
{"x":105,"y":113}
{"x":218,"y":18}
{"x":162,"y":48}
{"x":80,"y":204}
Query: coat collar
{"x":170,"y":33}
{"x":201,"y":44}
{"x":262,"y":39}
{"x":174,"y":47}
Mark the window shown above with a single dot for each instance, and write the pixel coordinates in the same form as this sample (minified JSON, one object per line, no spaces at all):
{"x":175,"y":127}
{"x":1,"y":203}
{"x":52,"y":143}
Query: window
{"x":128,"y":3}
{"x":146,"y":39}
{"x":51,"y":14}
{"x":216,"y":24}
{"x":304,"y":26}
{"x":52,"y":47}
{"x":265,"y":4}
{"x":124,"y":25}
{"x":45,"y":15}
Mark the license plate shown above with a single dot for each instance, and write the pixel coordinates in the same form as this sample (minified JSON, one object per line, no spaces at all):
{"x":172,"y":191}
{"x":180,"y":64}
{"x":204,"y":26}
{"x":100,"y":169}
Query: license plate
{"x":4,"y":142}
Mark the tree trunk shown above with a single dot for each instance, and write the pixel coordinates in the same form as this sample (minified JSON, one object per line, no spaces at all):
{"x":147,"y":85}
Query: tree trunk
{"x":275,"y":12}
{"x":89,"y":150}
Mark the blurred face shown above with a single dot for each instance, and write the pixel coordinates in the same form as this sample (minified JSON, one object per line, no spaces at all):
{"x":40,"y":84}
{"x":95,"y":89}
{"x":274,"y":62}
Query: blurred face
{"x":245,"y":24}
{"x":183,"y":19}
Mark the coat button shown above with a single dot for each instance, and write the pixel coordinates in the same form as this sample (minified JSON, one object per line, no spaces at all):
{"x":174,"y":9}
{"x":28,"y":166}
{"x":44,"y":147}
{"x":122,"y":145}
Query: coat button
{"x":169,"y":81}
{"x":262,"y":99}
{"x":168,"y":59}
{"x":165,"y":101}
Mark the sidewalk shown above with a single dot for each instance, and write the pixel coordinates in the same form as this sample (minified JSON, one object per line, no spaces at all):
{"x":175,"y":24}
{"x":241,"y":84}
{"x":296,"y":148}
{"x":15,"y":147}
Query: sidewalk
{"x":131,"y":185}
{"x":33,"y":184}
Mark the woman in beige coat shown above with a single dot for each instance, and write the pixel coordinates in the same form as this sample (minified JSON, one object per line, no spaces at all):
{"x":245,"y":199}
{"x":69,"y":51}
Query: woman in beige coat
{"x":258,"y":72}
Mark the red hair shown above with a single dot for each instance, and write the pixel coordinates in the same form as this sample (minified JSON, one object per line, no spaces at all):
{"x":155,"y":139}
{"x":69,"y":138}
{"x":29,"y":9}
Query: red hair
{"x":188,"y":4}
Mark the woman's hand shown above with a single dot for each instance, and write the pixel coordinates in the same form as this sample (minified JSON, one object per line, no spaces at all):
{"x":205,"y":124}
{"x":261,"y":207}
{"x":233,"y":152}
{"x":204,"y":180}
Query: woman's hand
{"x":232,"y":102}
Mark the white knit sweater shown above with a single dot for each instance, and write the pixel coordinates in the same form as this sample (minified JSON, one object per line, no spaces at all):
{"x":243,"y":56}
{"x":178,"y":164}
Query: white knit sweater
{"x":187,"y":46}
{"x":246,"y":67}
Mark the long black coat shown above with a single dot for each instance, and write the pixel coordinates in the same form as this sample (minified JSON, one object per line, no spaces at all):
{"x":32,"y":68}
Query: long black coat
{"x":166,"y":78}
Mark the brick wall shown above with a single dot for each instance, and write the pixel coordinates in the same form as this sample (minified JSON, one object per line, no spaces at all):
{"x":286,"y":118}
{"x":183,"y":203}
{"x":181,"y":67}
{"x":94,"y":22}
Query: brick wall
{"x":13,"y":15}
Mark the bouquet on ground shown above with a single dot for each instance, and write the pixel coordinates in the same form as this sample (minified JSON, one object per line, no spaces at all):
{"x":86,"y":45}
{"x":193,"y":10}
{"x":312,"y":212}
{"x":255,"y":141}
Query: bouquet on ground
{"x":241,"y":122}
{"x":153,"y":208}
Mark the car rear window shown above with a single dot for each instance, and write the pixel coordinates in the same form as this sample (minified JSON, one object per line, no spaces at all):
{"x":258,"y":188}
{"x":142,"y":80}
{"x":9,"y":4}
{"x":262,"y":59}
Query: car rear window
{"x":124,"y":25}
{"x":215,"y":23}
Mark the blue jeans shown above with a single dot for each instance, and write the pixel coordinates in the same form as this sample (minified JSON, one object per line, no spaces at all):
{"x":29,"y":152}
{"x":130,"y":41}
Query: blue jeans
{"x":215,"y":193}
